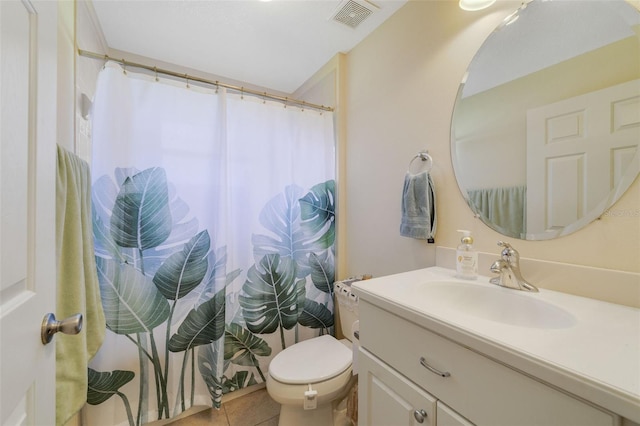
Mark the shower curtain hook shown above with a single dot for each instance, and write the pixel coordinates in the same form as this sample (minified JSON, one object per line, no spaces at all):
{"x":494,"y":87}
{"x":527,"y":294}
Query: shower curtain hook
{"x":285,"y":102}
{"x":303,"y":104}
{"x":124,"y":66}
{"x":156,"y":71}
{"x":106,"y":59}
{"x":217,"y":87}
{"x":242,"y":92}
{"x":186,"y":76}
{"x":264,"y":97}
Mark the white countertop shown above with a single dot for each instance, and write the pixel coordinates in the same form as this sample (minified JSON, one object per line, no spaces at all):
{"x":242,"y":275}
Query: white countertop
{"x":593,"y":352}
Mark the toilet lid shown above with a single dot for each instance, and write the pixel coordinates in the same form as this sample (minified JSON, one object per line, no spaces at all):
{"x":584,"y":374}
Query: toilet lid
{"x":311,"y":361}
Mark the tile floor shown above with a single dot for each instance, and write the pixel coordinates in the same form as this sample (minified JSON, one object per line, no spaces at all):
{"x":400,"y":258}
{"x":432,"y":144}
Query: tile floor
{"x":254,"y":409}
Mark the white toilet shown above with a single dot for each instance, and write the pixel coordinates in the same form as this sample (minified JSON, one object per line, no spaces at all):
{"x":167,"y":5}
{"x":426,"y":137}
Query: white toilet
{"x":310,"y":378}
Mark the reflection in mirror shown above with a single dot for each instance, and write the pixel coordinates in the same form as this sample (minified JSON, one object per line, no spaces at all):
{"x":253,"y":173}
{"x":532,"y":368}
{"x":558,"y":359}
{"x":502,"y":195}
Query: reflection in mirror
{"x":545,"y":130}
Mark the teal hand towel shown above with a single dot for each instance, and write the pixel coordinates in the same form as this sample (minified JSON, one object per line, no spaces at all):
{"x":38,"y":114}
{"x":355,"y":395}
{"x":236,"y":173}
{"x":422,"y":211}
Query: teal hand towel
{"x":418,"y":207}
{"x":77,"y":281}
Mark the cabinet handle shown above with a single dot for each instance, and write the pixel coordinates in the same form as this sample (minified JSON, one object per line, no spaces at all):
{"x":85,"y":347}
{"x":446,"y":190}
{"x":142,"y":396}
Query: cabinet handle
{"x":420,"y":415}
{"x":423,"y":362}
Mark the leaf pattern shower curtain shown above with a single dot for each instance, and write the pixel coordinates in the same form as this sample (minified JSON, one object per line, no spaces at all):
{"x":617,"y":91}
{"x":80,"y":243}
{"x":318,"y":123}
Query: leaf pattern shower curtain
{"x":213,"y":219}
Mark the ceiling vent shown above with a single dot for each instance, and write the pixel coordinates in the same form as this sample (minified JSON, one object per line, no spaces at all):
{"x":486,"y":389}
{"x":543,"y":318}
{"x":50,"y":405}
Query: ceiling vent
{"x":352,"y":13}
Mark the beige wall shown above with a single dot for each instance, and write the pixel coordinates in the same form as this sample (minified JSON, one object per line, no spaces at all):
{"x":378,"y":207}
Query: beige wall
{"x":402,"y":83}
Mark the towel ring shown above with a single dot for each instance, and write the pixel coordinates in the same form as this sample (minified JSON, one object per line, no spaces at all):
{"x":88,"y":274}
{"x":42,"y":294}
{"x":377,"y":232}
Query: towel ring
{"x":424,"y":157}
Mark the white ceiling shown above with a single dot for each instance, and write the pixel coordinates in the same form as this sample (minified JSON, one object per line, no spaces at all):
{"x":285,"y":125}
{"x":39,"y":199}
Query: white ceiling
{"x":276,"y":45}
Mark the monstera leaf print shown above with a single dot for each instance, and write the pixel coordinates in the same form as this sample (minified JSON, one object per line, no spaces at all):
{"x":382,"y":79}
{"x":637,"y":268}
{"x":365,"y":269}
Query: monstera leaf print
{"x":317,"y":213}
{"x":131,"y":303}
{"x":184,"y":270}
{"x":316,"y":315}
{"x":208,"y":359}
{"x":105,"y":246}
{"x":183,"y":228}
{"x":273,"y":298}
{"x":281,"y":216}
{"x":203,"y":325}
{"x":141,"y":217}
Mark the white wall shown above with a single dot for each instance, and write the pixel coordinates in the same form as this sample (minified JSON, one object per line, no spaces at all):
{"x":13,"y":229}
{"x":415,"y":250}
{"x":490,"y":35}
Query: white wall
{"x":402,"y":82}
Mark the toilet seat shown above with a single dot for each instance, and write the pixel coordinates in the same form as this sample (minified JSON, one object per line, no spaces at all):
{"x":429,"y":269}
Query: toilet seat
{"x":311,"y":361}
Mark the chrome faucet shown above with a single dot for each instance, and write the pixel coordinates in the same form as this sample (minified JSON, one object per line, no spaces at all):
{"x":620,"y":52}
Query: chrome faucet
{"x":509,"y":269}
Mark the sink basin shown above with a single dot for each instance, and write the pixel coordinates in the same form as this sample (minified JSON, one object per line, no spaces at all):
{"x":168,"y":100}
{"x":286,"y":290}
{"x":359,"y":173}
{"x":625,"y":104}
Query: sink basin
{"x":498,"y":304}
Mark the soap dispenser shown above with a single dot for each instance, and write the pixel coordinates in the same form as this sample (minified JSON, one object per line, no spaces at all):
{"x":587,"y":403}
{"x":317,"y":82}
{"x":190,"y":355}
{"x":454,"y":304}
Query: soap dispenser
{"x":466,"y":257}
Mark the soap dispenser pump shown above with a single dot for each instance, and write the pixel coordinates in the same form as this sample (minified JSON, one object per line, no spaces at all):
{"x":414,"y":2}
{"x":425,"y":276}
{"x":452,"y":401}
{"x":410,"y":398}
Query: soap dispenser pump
{"x":466,"y":257}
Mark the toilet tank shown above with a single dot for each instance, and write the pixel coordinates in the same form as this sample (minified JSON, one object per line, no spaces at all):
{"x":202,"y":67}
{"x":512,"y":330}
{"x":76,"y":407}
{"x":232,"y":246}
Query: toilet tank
{"x":347,"y":304}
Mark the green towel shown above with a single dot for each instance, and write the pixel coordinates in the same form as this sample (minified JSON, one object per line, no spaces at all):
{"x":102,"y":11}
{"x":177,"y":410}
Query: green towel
{"x":77,"y":281}
{"x":504,"y":209}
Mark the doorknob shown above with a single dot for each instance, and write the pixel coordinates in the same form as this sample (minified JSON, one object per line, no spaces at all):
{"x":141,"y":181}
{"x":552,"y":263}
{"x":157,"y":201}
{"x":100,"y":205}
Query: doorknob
{"x":51,"y":326}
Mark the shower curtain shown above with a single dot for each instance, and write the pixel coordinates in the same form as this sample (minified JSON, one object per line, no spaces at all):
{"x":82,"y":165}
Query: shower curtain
{"x":213,"y":218}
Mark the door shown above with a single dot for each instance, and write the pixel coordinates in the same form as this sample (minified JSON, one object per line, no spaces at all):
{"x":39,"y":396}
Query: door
{"x":447,"y":417}
{"x":28,"y":51}
{"x":388,"y":398}
{"x":578,"y":150}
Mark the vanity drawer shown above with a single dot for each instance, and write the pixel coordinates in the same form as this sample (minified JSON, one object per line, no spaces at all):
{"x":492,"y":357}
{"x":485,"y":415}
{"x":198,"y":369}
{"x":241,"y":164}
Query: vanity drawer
{"x":482,"y":390}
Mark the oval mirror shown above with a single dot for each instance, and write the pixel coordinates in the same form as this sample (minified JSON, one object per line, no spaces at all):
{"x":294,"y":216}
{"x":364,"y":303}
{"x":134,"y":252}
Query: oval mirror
{"x":546,"y":125}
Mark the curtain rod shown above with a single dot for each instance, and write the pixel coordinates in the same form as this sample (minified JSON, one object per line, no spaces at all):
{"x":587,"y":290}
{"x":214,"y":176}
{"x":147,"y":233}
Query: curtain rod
{"x":216,"y":83}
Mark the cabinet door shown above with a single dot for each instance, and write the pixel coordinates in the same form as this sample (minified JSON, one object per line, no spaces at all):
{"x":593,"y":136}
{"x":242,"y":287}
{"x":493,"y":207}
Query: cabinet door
{"x":387,"y":398}
{"x":447,"y":417}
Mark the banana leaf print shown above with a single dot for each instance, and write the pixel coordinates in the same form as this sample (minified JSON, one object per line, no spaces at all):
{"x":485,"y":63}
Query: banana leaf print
{"x":141,"y":217}
{"x":316,"y":315}
{"x":202,"y":325}
{"x":240,"y":380}
{"x":323,"y":271}
{"x":242,"y":347}
{"x":317,"y":213}
{"x":273,"y":298}
{"x":215,"y":278}
{"x":184,"y":270}
{"x":131,"y":303}
{"x":104,"y":385}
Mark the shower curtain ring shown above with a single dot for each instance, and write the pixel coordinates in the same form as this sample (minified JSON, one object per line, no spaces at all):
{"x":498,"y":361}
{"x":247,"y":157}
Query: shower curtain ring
{"x":156,"y":71}
{"x":217,"y":87}
{"x":303,"y":104}
{"x":124,"y":66}
{"x":264,"y":98}
{"x":242,"y":92}
{"x":285,"y":102}
{"x":186,"y":76}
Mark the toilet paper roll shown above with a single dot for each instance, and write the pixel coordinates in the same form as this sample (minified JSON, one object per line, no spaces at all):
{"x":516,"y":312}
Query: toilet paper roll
{"x":355,"y":344}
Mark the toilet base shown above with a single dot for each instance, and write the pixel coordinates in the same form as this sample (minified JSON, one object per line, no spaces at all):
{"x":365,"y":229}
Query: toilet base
{"x":292,"y":415}
{"x":329,"y":412}
{"x":334,"y":414}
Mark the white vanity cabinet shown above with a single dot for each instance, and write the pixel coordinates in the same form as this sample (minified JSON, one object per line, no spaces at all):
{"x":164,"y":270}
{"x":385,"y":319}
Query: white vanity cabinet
{"x":405,"y":368}
{"x":386,"y":398}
